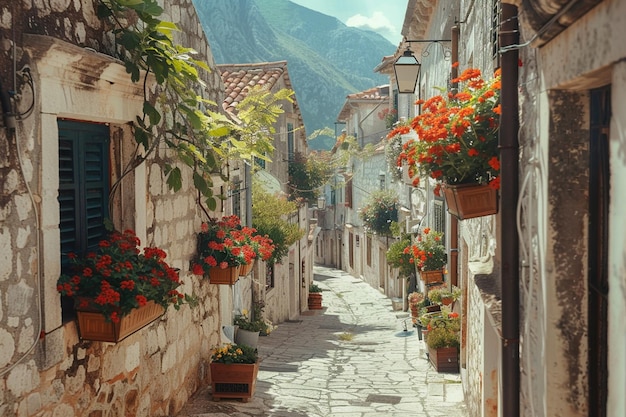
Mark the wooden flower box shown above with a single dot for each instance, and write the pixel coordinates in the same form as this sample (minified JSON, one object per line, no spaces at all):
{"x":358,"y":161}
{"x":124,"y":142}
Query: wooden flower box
{"x":244,"y":270}
{"x":233,"y":380}
{"x":468,"y":201}
{"x":93,"y":325}
{"x":226,"y":276}
{"x":444,"y":359}
{"x":432,"y":277}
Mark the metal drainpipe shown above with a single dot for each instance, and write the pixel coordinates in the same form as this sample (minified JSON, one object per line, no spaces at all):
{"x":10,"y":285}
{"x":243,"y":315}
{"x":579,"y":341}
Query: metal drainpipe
{"x":509,"y":194}
{"x":454,"y":222}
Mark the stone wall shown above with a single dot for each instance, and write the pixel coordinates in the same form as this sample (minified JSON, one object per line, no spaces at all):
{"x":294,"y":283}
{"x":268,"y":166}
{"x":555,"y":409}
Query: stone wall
{"x":44,"y":368}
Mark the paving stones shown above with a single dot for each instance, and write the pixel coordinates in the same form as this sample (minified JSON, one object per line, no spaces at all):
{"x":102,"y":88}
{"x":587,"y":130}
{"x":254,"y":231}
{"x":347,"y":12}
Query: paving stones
{"x":351,"y":359}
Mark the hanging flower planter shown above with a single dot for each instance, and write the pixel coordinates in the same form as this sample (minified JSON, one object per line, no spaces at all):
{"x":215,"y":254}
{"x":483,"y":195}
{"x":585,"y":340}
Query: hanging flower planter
{"x":468,"y":201}
{"x":224,"y":276}
{"x":432,"y":277}
{"x":94,"y":326}
{"x":118,"y":289}
{"x":245,"y":269}
{"x":227,"y":250}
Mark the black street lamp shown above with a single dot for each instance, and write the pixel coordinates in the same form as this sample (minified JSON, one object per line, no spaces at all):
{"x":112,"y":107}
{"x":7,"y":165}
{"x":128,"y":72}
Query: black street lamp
{"x":407,"y":67}
{"x":407,"y":70}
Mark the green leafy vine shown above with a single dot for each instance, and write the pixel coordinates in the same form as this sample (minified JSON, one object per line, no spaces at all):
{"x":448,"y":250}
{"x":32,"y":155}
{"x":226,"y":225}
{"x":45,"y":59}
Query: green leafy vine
{"x":175,"y":113}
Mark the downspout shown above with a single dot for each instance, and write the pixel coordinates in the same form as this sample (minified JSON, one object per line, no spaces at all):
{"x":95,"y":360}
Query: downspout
{"x":454,"y":221}
{"x":509,"y":194}
{"x":360,"y":128}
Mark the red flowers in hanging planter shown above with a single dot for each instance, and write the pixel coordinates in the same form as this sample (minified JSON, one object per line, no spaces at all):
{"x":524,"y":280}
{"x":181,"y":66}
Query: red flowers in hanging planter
{"x":118,"y":278}
{"x":225,"y":243}
{"x":457,"y":136}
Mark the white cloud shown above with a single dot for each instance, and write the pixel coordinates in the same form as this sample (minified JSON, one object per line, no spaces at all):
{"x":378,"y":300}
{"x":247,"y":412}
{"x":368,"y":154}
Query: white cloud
{"x":378,"y":22}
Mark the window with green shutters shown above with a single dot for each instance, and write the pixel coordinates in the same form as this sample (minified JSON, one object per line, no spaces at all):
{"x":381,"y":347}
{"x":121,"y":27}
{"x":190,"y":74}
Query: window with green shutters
{"x":83,"y":185}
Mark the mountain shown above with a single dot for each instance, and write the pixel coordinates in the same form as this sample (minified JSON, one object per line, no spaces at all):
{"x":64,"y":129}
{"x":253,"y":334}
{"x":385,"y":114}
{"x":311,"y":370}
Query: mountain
{"x":327,"y":60}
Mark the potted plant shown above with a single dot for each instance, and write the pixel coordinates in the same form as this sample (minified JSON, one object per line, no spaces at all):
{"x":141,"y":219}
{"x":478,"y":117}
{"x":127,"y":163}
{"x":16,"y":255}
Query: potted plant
{"x":254,"y":246}
{"x":234,"y":370}
{"x":443,"y":342}
{"x":399,"y":257}
{"x":222,"y":247}
{"x":440,"y":295}
{"x":249,"y":328}
{"x":429,"y":255}
{"x":380,"y":211}
{"x":389,"y":115}
{"x":415,"y":300}
{"x":315,"y":297}
{"x":457,"y":144}
{"x":119,"y":289}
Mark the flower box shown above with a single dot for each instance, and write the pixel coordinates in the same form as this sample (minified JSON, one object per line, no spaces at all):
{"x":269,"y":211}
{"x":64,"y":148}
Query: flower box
{"x":444,"y":359}
{"x":432,"y":277}
{"x":315,"y":301}
{"x":245,"y":269}
{"x":224,"y":276}
{"x":468,"y":201}
{"x":92,"y":325}
{"x":233,"y":380}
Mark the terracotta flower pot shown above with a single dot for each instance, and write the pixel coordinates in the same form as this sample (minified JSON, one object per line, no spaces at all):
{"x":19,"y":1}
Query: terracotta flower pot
{"x":315,"y":301}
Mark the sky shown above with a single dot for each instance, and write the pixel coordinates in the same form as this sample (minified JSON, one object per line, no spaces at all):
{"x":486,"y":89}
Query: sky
{"x":384,"y":17}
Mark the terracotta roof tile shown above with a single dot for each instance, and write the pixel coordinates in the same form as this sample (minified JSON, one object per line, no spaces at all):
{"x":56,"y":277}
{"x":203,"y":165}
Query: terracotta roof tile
{"x":239,"y":78}
{"x":375,"y":94}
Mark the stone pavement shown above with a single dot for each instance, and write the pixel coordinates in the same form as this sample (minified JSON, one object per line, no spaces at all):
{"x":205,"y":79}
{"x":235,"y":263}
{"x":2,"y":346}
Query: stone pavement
{"x":351,"y":359}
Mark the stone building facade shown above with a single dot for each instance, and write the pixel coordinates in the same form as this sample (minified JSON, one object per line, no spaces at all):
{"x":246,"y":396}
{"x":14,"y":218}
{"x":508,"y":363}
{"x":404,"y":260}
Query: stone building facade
{"x":571,"y":245}
{"x":65,"y":52}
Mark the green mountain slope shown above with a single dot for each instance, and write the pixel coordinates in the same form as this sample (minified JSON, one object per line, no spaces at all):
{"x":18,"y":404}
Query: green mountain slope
{"x":326,"y":59}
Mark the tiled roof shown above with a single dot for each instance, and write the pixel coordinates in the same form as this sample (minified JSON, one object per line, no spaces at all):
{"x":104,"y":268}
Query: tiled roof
{"x":239,"y":78}
{"x":375,"y":94}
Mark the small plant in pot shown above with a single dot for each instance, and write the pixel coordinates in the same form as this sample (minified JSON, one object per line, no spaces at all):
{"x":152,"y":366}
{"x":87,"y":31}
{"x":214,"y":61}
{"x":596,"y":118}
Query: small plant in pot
{"x":234,"y":369}
{"x":443,"y":342}
{"x":315,"y":297}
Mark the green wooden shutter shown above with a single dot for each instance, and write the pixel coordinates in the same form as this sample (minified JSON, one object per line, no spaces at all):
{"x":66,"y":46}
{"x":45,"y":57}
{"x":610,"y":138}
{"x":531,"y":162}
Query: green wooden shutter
{"x":83,"y":185}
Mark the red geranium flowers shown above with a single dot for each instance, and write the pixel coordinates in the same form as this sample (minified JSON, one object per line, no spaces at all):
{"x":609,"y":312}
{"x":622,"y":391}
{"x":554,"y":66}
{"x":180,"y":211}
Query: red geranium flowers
{"x":118,"y":277}
{"x":225,"y":243}
{"x":457,"y":137}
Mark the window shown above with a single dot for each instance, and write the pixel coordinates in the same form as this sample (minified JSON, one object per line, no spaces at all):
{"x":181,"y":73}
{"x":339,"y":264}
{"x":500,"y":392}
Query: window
{"x":495,"y":30}
{"x":349,"y":192}
{"x":83,"y":188}
{"x":83,"y":185}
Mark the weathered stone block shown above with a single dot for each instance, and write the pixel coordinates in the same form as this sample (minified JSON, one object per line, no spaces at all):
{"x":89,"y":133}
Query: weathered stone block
{"x":50,"y":349}
{"x":23,"y":378}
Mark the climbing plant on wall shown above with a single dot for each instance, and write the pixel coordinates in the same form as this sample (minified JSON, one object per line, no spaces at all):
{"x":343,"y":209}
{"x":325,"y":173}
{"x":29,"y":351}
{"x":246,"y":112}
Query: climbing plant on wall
{"x":175,"y":113}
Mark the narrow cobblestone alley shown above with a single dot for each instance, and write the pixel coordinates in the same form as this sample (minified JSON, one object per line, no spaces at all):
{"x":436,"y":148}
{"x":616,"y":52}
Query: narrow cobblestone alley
{"x":353,"y":358}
